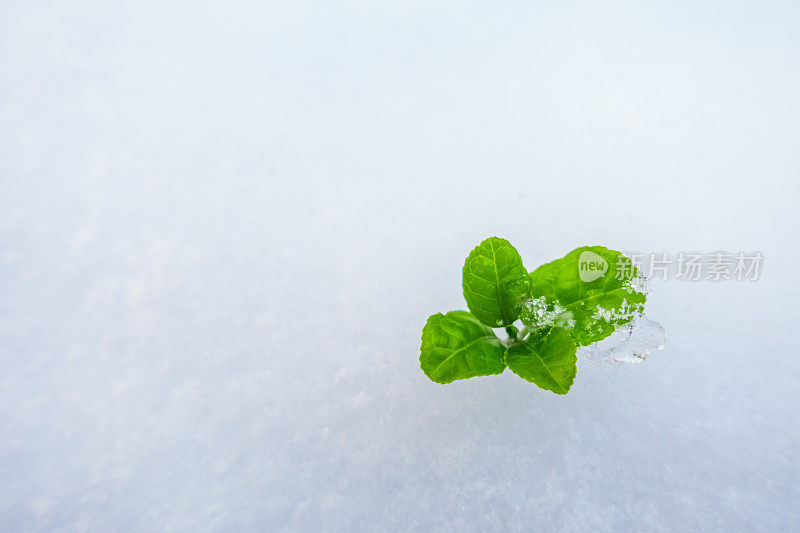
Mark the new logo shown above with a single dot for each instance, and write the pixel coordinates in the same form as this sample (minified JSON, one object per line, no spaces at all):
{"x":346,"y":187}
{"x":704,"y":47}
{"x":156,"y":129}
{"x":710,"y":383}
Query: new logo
{"x":591,"y":266}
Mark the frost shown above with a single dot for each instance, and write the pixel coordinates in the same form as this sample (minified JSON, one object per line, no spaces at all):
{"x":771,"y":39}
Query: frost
{"x":620,"y":315}
{"x":638,"y":283}
{"x":537,"y":311}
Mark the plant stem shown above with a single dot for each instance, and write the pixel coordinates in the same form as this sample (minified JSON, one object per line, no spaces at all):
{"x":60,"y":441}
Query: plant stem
{"x":512,"y":332}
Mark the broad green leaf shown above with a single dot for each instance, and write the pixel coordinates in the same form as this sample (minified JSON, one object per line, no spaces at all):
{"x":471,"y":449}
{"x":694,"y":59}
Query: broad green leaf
{"x":457,"y":346}
{"x":546,"y":358}
{"x":591,"y":291}
{"x":495,"y":282}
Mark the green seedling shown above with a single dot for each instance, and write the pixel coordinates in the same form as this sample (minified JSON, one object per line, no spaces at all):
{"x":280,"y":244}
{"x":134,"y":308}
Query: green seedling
{"x":574,"y":301}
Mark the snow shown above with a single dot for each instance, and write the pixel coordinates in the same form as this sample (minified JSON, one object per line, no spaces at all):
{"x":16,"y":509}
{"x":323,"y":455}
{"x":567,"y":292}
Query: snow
{"x":223,"y":226}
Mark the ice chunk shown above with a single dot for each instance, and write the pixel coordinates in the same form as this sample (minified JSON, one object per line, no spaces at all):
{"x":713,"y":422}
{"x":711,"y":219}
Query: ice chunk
{"x":631,"y":343}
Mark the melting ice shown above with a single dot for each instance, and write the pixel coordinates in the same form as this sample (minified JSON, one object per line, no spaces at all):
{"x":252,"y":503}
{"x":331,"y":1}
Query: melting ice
{"x":631,"y":343}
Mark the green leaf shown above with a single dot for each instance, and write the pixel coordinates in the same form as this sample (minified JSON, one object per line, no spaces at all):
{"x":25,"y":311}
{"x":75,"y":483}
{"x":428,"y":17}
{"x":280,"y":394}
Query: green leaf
{"x":591,"y":291}
{"x":495,"y":282}
{"x":547,"y":358}
{"x":457,"y":346}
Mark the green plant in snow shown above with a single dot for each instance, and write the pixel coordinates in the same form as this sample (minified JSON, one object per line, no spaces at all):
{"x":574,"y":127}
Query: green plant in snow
{"x":570,"y":302}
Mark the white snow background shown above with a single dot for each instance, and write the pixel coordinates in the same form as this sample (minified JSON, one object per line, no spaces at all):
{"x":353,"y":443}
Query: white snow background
{"x":223,"y":226}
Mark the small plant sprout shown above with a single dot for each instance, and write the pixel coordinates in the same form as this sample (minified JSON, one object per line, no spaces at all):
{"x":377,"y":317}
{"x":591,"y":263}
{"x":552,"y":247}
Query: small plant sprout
{"x":571,"y":302}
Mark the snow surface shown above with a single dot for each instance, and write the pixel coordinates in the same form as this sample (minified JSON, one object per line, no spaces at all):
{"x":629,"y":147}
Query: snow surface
{"x":223,"y":226}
